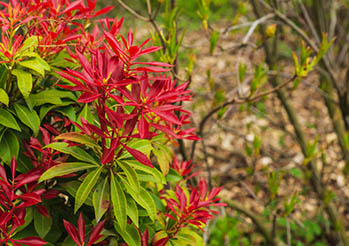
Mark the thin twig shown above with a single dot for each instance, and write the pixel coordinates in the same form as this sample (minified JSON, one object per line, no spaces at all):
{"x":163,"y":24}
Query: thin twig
{"x":125,"y":6}
{"x":236,"y":101}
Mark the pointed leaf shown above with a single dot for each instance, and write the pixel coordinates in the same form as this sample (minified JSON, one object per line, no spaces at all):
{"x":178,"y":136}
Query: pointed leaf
{"x":132,"y":211}
{"x":144,"y":199}
{"x":9,"y":146}
{"x":73,"y":233}
{"x":86,"y":187}
{"x":42,"y":224}
{"x":37,"y":64}
{"x":100,"y":199}
{"x":7,"y":119}
{"x":129,"y":234}
{"x":119,"y":202}
{"x":131,"y":175}
{"x":79,"y":138}
{"x":64,"y":169}
{"x":29,"y":118}
{"x":75,"y":151}
{"x":24,"y":81}
{"x":4,"y":97}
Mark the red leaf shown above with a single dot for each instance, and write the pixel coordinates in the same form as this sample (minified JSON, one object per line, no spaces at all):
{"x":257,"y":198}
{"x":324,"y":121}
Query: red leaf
{"x":72,"y":232}
{"x":42,"y":210}
{"x":88,"y":97}
{"x":81,"y":228}
{"x":167,"y":116}
{"x":103,"y":11}
{"x":31,"y":241}
{"x":95,"y":234}
{"x":108,"y":154}
{"x":145,"y":238}
{"x":139,"y":156}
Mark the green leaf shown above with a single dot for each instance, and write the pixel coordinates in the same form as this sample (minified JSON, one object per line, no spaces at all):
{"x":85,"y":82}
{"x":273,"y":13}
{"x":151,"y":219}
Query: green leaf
{"x":132,"y":211}
{"x":42,"y":224}
{"x":7,"y":119}
{"x":4,"y":97}
{"x":131,"y":175}
{"x":46,"y":96}
{"x":3,"y":75}
{"x":100,"y":199}
{"x":29,"y":118}
{"x":119,"y":202}
{"x":9,"y":146}
{"x":64,"y":169}
{"x":129,"y":234}
{"x":30,"y":42}
{"x":144,"y":199}
{"x":86,"y":187}
{"x":164,"y":156}
{"x":72,"y":187}
{"x":68,"y":112}
{"x":24,"y":81}
{"x":75,"y":151}
{"x":79,"y":138}
{"x":157,"y":176}
{"x":37,"y":64}
{"x":85,"y":114}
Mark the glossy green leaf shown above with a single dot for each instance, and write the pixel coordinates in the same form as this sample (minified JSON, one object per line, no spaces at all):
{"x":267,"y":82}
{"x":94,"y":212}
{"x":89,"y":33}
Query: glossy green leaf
{"x":131,"y":175}
{"x":4,"y":97}
{"x":129,"y":234}
{"x":42,"y":224}
{"x":75,"y":151}
{"x":85,"y":114}
{"x":29,"y":118}
{"x":144,"y":199}
{"x":79,"y":138}
{"x":132,"y":211}
{"x":68,"y":112}
{"x":72,"y":187}
{"x":86,"y":187}
{"x":100,"y":199}
{"x":118,"y":200}
{"x":9,"y":146}
{"x":43,"y":97}
{"x":37,"y":64}
{"x":30,"y":42}
{"x":24,"y":81}
{"x":7,"y":119}
{"x":64,"y":169}
{"x":157,"y":176}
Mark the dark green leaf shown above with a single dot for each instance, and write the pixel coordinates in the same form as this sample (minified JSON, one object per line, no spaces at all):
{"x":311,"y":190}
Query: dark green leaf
{"x":42,"y":224}
{"x":9,"y":146}
{"x":29,"y":118}
{"x":7,"y":119}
